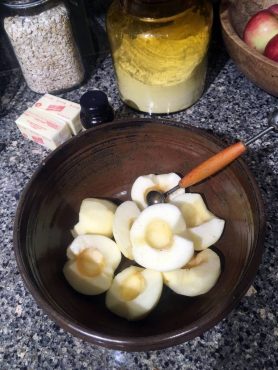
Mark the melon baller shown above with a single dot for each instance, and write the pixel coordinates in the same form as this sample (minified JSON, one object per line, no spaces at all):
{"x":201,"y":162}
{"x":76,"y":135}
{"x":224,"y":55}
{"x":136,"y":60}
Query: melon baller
{"x":214,"y":164}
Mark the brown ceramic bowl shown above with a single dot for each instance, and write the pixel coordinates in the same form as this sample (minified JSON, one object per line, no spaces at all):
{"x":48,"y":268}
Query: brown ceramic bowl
{"x":262,"y":71}
{"x":104,"y":162}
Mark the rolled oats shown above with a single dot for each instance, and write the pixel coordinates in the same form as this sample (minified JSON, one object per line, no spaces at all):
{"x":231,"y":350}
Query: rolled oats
{"x":45,"y":48}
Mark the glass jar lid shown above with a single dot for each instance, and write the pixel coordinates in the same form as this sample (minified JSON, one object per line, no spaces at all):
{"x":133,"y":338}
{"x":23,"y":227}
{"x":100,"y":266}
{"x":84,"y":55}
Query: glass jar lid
{"x":23,"y":4}
{"x":156,"y":8}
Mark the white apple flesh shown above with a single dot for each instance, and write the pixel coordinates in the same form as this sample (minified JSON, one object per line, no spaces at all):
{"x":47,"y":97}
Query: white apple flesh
{"x":134,"y":293}
{"x":156,"y":241}
{"x":96,"y":216}
{"x":193,"y":208}
{"x":144,"y":184}
{"x":206,"y":234}
{"x":197,"y":277}
{"x":106,"y":246}
{"x":91,"y":265}
{"x":125,"y":215}
{"x":86,"y":284}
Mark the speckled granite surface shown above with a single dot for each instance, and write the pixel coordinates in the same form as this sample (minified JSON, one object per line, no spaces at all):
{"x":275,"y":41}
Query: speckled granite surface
{"x":247,"y":339}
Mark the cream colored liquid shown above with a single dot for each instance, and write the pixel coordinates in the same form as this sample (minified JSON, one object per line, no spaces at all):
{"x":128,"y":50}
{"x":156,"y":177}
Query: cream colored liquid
{"x":160,"y":65}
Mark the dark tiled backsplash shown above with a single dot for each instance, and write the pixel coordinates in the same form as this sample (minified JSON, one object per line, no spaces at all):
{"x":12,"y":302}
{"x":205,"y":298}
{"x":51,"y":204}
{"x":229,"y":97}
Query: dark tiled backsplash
{"x":85,"y":34}
{"x":7,"y":57}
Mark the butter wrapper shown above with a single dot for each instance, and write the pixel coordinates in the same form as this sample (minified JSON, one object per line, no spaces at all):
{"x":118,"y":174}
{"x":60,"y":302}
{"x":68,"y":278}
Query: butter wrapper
{"x":63,"y":109}
{"x":43,"y":130}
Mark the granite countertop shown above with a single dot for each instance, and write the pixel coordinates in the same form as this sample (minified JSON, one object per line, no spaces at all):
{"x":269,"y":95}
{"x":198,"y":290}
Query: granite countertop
{"x":232,"y":108}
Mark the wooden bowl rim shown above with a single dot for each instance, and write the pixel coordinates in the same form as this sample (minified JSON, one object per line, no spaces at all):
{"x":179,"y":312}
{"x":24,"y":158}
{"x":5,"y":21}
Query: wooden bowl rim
{"x":232,"y":34}
{"x":166,"y":339}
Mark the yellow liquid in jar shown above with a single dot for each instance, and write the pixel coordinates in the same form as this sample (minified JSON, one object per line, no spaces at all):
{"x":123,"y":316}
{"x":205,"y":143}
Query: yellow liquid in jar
{"x":160,"y":64}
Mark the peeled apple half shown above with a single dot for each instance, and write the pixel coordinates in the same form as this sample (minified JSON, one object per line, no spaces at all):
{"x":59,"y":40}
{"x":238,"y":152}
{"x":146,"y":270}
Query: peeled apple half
{"x":134,"y":292}
{"x":95,"y":217}
{"x":197,"y":277}
{"x":144,"y":184}
{"x":125,"y":215}
{"x":203,"y":227}
{"x":91,"y":265}
{"x":206,"y":234}
{"x":156,"y":241}
{"x":193,"y":208}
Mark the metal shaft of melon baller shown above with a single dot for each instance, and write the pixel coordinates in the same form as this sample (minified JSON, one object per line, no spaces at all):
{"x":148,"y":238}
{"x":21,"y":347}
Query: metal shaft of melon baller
{"x":214,"y":164}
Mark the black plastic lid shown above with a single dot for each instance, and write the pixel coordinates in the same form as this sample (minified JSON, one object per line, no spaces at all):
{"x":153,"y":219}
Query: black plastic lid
{"x":23,"y":4}
{"x":94,"y":101}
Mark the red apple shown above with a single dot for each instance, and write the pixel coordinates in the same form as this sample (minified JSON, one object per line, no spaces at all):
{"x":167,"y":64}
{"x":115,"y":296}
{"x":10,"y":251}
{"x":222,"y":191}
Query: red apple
{"x":260,"y":29}
{"x":273,"y":9}
{"x":271,"y":50}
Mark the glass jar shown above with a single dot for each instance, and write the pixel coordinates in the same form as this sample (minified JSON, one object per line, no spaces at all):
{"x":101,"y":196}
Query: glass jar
{"x":159,"y":50}
{"x":42,"y":38}
{"x":95,"y":109}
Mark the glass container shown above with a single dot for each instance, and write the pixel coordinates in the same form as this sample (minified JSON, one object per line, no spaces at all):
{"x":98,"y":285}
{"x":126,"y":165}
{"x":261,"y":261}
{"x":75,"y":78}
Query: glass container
{"x":41,"y":35}
{"x":95,"y":109}
{"x":159,"y":50}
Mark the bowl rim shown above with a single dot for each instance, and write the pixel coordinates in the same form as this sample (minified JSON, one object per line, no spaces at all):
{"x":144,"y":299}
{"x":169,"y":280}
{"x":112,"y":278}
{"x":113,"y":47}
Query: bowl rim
{"x":167,"y":339}
{"x":232,"y":34}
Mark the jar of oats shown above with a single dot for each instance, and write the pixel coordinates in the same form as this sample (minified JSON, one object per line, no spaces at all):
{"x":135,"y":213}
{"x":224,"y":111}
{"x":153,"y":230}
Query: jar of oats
{"x":42,"y":38}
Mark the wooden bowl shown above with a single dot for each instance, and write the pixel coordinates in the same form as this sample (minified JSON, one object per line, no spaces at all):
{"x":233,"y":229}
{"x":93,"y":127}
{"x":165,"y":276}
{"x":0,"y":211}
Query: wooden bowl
{"x":242,"y":10}
{"x":104,"y":162}
{"x":262,"y":71}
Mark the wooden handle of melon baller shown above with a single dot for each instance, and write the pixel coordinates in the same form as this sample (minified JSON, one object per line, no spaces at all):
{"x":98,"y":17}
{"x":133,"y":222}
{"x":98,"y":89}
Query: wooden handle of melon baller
{"x":214,"y":164}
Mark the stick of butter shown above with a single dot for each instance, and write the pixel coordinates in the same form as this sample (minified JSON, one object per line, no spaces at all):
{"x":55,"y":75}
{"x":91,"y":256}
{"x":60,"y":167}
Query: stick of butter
{"x":66,"y":110}
{"x":46,"y":131}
